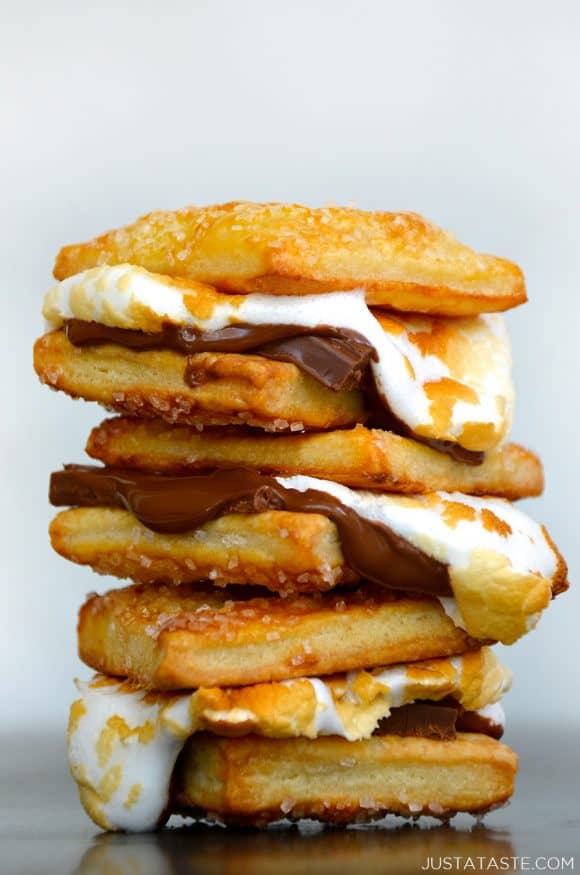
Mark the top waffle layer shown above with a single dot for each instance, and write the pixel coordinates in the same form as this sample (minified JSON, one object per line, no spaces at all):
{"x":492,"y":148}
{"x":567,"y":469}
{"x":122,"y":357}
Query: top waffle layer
{"x":400,"y":260}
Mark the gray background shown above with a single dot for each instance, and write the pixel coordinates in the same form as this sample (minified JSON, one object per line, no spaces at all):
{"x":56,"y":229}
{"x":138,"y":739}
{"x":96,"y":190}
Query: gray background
{"x":465,"y":112}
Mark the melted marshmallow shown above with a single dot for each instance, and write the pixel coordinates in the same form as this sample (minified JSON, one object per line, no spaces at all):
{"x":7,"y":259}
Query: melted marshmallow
{"x":420,"y":381}
{"x":327,"y":720}
{"x":399,"y":687}
{"x":451,"y":608}
{"x":121,"y":749}
{"x":493,"y":712}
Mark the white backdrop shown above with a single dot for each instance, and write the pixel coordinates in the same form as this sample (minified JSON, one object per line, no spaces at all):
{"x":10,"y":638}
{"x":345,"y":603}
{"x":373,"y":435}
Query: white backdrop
{"x":465,"y":112}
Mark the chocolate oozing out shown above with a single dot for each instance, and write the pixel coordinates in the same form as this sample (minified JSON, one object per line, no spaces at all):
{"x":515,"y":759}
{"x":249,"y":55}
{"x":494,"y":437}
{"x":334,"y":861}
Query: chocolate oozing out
{"x":177,"y":504}
{"x":440,"y":720}
{"x":339,"y":359}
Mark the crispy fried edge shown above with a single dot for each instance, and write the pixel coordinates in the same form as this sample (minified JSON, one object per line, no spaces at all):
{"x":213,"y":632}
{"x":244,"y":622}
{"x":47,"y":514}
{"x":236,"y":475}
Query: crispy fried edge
{"x":282,"y":551}
{"x":400,"y":259}
{"x":358,"y":457}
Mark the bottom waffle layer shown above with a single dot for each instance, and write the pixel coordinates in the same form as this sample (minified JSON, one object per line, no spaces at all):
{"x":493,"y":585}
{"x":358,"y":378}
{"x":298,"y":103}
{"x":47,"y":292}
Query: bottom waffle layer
{"x":255,"y":781}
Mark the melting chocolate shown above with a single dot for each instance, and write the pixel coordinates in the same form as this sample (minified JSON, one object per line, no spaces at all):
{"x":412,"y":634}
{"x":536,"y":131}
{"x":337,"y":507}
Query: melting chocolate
{"x":178,"y":504}
{"x":339,"y":363}
{"x":337,"y":358}
{"x":441,"y":720}
{"x":471,"y":721}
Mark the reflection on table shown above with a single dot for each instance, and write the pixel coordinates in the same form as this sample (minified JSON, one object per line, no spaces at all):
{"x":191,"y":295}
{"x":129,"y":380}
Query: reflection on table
{"x":296,"y":851}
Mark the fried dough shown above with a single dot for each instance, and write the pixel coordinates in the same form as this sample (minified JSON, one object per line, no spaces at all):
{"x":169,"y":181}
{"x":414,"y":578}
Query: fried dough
{"x":178,"y":637}
{"x":283,"y":551}
{"x":231,"y":388}
{"x":358,"y":457}
{"x":253,"y":780}
{"x":401,"y":260}
{"x":123,"y":741}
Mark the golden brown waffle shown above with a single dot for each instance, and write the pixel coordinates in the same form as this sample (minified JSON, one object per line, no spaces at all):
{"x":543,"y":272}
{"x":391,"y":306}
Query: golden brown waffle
{"x":179,"y":637}
{"x":253,"y":780}
{"x":358,"y":457}
{"x":402,"y":261}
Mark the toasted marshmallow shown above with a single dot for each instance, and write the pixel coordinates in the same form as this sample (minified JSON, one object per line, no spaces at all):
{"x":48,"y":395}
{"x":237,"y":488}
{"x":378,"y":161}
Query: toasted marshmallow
{"x":503,"y":567}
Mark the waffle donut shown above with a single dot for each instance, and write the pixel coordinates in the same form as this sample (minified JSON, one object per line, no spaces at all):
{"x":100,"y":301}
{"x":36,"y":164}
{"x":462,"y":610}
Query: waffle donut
{"x":133,"y":779}
{"x":120,"y":734}
{"x":230,"y":389}
{"x":358,"y":457}
{"x":254,"y":781}
{"x":401,"y":260}
{"x":166,"y":637}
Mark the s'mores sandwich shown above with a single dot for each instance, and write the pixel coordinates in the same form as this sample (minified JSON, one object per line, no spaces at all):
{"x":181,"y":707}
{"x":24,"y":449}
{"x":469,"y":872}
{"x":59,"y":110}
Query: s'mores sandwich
{"x":411,"y":739}
{"x":309,"y":484}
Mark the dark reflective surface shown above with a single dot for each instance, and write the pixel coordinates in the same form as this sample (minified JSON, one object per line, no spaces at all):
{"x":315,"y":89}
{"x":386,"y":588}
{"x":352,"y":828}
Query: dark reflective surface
{"x":43,"y":829}
{"x":287,"y":851}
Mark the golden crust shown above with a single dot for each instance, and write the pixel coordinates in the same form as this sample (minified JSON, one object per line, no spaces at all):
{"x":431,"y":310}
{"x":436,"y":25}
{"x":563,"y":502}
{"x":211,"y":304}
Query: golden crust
{"x":283,"y":551}
{"x":254,"y":780}
{"x":232,"y":389}
{"x":401,"y":260}
{"x":358,"y":457}
{"x":169,"y":638}
{"x":496,"y":601}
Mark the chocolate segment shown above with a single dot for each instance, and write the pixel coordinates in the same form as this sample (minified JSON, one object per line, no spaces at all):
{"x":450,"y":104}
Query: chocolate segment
{"x":337,"y":358}
{"x":423,"y":720}
{"x":178,"y":504}
{"x":440,"y":720}
{"x":338,"y":362}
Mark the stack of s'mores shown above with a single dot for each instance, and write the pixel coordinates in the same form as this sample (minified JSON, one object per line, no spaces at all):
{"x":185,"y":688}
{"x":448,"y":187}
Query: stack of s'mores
{"x":310,"y":488}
